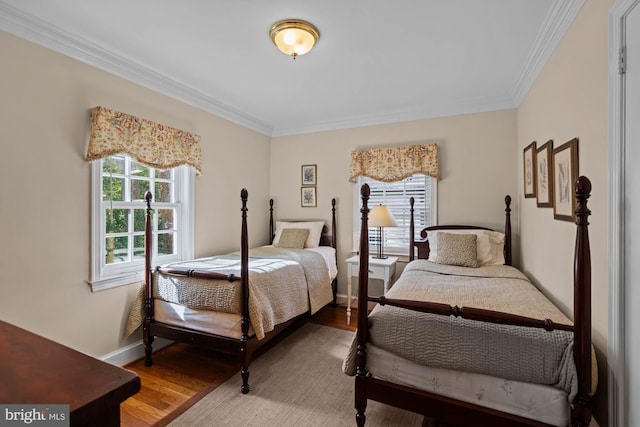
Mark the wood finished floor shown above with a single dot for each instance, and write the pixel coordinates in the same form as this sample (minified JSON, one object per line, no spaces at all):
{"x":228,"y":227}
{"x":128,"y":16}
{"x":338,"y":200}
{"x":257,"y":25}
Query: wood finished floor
{"x":182,"y":374}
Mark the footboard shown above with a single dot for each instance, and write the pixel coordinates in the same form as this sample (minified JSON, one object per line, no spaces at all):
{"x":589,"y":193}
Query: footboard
{"x":149,"y":321}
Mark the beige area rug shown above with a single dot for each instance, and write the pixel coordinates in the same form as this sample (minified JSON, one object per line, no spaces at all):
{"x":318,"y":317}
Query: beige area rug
{"x":299,"y":382}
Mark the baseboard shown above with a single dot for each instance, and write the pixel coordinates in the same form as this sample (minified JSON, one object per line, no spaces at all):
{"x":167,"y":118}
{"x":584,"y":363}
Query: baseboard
{"x":132,"y":352}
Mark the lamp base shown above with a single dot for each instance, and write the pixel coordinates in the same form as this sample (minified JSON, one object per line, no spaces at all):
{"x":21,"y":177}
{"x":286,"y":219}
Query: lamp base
{"x":380,"y":256}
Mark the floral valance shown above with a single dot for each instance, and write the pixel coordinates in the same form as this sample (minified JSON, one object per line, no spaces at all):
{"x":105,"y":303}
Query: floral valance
{"x":152,"y":144}
{"x":394,"y":163}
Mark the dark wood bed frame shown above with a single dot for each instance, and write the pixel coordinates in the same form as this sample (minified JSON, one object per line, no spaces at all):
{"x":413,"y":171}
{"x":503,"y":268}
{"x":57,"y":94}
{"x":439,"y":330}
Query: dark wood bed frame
{"x":455,"y":412}
{"x":246,"y":345}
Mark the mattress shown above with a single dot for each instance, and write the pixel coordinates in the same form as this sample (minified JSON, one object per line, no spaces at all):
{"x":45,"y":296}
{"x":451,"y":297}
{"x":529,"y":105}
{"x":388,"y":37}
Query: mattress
{"x":539,"y":402}
{"x":212,"y":322}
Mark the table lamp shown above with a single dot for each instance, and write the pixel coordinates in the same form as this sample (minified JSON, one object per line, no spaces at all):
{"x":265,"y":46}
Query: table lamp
{"x":381,"y":217}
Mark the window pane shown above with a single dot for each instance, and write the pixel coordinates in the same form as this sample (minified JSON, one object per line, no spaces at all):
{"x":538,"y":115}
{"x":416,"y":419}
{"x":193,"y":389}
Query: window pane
{"x":113,"y":164}
{"x":139,"y":170}
{"x":164,"y":192}
{"x":164,"y":174}
{"x":117,"y":220}
{"x":138,"y":247}
{"x":140,"y":219}
{"x":166,"y":243}
{"x":112,"y":188}
{"x":117,"y":249}
{"x":166,"y":219}
{"x":138,"y":189}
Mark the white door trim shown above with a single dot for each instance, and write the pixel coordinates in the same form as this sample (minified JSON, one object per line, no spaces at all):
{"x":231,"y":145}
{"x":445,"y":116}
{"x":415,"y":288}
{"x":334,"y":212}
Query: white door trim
{"x":616,"y":353}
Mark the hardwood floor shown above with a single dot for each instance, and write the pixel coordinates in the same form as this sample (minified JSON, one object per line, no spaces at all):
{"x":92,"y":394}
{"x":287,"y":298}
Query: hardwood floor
{"x":182,"y":374}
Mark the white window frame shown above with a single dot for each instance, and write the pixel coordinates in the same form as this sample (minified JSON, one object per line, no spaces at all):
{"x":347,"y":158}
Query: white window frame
{"x":357,"y":200}
{"x":110,"y":276}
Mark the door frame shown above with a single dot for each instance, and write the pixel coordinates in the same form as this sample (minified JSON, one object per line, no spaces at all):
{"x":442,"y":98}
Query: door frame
{"x":616,"y":348}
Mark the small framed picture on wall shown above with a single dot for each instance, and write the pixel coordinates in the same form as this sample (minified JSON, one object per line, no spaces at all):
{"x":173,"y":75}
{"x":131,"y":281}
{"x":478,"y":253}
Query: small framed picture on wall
{"x":308,"y":197}
{"x":544,"y":178}
{"x":529,"y":156}
{"x":309,"y":174}
{"x":565,"y":173}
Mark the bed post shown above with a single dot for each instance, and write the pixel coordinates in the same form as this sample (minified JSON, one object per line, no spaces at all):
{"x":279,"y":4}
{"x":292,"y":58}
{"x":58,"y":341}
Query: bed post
{"x":244,"y":284}
{"x":334,"y":234}
{"x":272,"y":232}
{"x":507,"y":231}
{"x":411,"y":230}
{"x":363,"y":327}
{"x":148,"y":290}
{"x":582,"y":306}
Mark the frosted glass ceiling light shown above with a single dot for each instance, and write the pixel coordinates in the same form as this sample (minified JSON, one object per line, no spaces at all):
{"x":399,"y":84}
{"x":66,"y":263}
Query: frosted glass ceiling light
{"x":294,"y":37}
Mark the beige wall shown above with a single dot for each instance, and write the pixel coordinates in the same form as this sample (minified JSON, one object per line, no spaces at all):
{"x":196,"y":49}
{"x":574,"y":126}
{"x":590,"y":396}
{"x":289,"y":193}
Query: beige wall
{"x":477,"y":170}
{"x":569,"y":99}
{"x":45,"y":191}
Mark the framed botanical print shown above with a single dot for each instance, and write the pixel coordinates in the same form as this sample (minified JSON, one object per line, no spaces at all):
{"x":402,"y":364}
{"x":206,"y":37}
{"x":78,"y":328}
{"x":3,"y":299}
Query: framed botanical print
{"x":529,"y":156}
{"x":565,"y":173}
{"x":309,"y":174}
{"x":544,"y":175}
{"x":308,"y":197}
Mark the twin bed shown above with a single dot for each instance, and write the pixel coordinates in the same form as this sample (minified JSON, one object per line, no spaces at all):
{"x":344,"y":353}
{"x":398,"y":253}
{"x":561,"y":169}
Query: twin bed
{"x":466,"y":339}
{"x":236,"y":303}
{"x":461,"y":337}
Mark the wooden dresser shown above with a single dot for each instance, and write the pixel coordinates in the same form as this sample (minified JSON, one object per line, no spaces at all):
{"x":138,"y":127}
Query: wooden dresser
{"x":36,"y":370}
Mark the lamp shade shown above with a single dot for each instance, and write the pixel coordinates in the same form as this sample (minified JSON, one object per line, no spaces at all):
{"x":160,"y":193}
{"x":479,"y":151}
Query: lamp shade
{"x":294,"y":37}
{"x":381,"y":217}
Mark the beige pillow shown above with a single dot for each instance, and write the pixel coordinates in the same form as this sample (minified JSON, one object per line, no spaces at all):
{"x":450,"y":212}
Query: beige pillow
{"x":457,"y":249}
{"x":293,"y":238}
{"x":483,"y":244}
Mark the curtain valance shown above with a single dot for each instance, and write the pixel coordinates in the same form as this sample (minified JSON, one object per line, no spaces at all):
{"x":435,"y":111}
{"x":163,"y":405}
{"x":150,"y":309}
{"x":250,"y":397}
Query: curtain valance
{"x":152,"y":144}
{"x":394,"y":163}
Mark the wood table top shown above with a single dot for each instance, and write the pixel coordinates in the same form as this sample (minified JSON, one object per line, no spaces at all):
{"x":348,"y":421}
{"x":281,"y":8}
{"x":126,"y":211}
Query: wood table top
{"x":36,"y":370}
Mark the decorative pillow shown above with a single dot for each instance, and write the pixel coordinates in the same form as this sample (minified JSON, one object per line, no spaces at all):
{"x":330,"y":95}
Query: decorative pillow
{"x":293,"y":238}
{"x":483,"y":244}
{"x":314,"y":227}
{"x":457,"y":249}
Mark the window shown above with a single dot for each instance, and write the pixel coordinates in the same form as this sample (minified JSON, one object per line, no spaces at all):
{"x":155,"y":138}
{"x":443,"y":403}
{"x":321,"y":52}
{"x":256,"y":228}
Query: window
{"x":119,"y":215}
{"x":396,"y":196}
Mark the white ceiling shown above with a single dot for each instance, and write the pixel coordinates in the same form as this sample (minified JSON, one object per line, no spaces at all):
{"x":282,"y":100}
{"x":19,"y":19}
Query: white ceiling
{"x":377,"y":61}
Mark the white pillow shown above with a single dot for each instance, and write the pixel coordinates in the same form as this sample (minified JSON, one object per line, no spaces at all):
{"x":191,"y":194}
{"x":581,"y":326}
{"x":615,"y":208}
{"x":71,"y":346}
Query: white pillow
{"x":489,"y":245}
{"x":497,"y":247}
{"x":314,"y":227}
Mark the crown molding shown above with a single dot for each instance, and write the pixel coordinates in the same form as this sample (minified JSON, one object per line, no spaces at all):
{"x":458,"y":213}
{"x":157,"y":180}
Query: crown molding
{"x":51,"y":37}
{"x":482,"y":105}
{"x":555,"y":25}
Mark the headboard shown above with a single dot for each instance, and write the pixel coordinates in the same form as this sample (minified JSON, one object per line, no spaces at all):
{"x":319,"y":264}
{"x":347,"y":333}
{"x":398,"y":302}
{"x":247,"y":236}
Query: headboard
{"x":423,"y":244}
{"x":326,"y":239}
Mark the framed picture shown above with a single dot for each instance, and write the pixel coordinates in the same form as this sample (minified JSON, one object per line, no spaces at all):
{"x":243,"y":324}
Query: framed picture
{"x":309,"y":175}
{"x":308,"y":197}
{"x":565,"y":173}
{"x":529,"y":155}
{"x":544,"y":175}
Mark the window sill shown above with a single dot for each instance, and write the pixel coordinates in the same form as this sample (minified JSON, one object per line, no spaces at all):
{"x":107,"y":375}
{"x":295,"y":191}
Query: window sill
{"x":114,"y":282}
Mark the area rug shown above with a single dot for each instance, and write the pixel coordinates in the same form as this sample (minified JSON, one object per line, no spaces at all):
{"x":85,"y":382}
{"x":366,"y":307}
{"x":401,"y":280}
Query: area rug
{"x":299,"y":382}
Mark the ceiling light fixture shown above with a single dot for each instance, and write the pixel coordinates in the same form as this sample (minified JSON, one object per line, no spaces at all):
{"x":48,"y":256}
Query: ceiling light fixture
{"x":294,"y":37}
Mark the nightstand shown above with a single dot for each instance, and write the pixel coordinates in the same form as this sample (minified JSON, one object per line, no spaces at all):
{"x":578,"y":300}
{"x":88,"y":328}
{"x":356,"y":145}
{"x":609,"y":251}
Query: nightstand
{"x":383,"y":269}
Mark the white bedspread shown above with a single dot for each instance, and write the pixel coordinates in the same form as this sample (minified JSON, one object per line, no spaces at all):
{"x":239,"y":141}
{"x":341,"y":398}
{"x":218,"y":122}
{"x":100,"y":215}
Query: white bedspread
{"x":283,"y":283}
